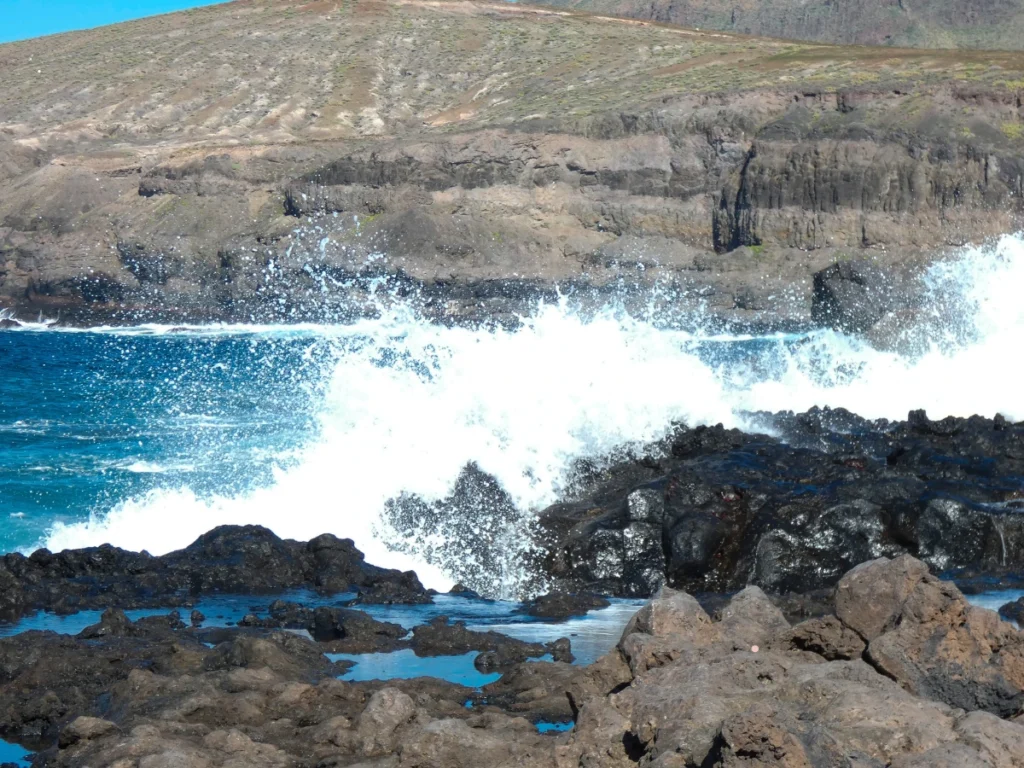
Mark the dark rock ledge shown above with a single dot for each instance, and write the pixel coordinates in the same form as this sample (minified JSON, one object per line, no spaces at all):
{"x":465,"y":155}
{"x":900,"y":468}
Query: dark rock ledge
{"x":711,"y":510}
{"x":230,"y":559}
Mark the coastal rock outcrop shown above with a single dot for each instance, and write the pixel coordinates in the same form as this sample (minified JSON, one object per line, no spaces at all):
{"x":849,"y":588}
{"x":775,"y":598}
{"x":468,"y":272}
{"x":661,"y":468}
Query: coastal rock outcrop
{"x":717,"y":702}
{"x":922,"y":632}
{"x":229,"y":559}
{"x":712,"y":510}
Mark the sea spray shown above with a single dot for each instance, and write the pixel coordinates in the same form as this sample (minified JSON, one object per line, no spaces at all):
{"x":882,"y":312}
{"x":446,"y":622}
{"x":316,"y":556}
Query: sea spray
{"x":407,"y":405}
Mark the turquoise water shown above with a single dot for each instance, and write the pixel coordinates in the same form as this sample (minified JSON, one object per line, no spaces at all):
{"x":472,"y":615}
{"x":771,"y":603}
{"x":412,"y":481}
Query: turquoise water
{"x":405,"y":665}
{"x":545,"y":727}
{"x":148,"y":437}
{"x":592,"y":635}
{"x":166,"y":422}
{"x":13,"y":753}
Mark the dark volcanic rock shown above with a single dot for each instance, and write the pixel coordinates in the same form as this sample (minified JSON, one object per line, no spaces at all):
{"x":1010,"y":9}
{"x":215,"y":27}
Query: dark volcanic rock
{"x":712,"y":510}
{"x":559,"y":605}
{"x":1013,"y":611}
{"x":229,"y":559}
{"x":439,"y":638}
{"x":852,"y":296}
{"x":344,"y":630}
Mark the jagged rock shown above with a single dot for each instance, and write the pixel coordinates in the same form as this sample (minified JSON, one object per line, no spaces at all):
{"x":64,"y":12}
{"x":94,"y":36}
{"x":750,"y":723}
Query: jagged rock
{"x":234,"y":559}
{"x":113,"y":623}
{"x":496,"y":651}
{"x":923,"y":633}
{"x":83,"y":729}
{"x":342,"y":630}
{"x":671,"y":623}
{"x":870,"y":599}
{"x":682,"y":689}
{"x":714,"y":510}
{"x":826,"y":636}
{"x":999,"y":742}
{"x":387,"y":711}
{"x":852,"y":296}
{"x":750,"y":619}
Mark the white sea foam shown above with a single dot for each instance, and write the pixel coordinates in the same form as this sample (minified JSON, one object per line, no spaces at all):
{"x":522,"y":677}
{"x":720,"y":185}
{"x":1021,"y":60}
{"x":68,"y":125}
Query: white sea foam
{"x":409,"y":404}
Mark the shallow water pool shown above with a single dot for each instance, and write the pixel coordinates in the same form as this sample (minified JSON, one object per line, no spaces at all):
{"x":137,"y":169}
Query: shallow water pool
{"x":405,"y":665}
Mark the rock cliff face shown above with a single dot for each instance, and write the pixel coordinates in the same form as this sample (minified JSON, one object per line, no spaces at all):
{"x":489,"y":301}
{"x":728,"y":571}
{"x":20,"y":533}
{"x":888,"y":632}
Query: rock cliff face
{"x":259,"y":160}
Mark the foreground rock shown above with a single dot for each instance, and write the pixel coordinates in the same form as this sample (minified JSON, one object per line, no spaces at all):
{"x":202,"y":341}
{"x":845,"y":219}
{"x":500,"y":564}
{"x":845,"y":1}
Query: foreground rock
{"x":922,"y":632}
{"x":229,"y":559}
{"x":694,"y":692}
{"x":711,"y":510}
{"x":902,"y":674}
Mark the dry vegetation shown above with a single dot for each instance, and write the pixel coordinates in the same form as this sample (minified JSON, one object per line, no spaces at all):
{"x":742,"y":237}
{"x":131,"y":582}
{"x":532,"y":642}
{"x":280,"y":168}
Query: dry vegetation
{"x":271,"y":71}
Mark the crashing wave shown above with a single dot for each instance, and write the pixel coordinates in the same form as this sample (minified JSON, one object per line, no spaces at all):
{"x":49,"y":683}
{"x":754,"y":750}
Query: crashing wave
{"x":409,"y":405}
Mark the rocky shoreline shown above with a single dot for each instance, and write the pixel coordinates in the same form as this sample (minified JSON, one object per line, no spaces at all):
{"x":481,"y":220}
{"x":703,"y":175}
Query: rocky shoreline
{"x":896,"y":669}
{"x":791,"y":509}
{"x":854,"y":653}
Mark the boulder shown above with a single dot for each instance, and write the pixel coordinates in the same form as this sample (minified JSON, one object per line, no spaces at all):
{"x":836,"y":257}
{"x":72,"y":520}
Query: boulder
{"x":751,"y":619}
{"x":871,"y":598}
{"x":1013,"y":611}
{"x":923,"y":633}
{"x":852,"y":296}
{"x":669,"y":624}
{"x":999,"y":742}
{"x":496,"y":651}
{"x":84,"y":729}
{"x":387,"y":711}
{"x":559,"y":605}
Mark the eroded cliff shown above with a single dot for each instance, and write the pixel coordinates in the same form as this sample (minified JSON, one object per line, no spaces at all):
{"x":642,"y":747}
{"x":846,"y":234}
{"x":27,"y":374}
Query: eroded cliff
{"x":253,"y":160}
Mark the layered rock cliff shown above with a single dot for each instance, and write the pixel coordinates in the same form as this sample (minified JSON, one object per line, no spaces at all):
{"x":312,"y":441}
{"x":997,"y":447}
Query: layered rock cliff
{"x":260,"y":160}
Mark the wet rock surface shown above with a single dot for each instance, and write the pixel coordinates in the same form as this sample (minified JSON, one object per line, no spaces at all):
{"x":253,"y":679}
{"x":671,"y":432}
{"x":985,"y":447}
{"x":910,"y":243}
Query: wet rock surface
{"x":682,"y":688}
{"x":230,"y":559}
{"x":343,"y":630}
{"x":712,"y":510}
{"x":440,"y":638}
{"x":1013,"y":611}
{"x":559,"y":605}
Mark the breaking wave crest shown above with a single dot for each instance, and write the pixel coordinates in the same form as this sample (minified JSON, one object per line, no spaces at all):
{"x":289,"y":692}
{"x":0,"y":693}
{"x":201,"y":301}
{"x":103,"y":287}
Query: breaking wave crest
{"x":408,"y":405}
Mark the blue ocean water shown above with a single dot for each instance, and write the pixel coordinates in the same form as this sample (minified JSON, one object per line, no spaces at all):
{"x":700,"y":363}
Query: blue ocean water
{"x":90,"y":419}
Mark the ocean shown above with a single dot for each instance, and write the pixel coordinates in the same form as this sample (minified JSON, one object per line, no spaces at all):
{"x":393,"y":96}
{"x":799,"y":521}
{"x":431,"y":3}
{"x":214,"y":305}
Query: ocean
{"x":146,"y":437}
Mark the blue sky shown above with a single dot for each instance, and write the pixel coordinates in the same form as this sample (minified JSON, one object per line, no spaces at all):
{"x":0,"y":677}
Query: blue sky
{"x":20,"y":19}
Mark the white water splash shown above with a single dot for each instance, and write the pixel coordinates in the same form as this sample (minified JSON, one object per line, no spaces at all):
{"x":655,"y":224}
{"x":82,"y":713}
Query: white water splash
{"x":409,"y":404}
